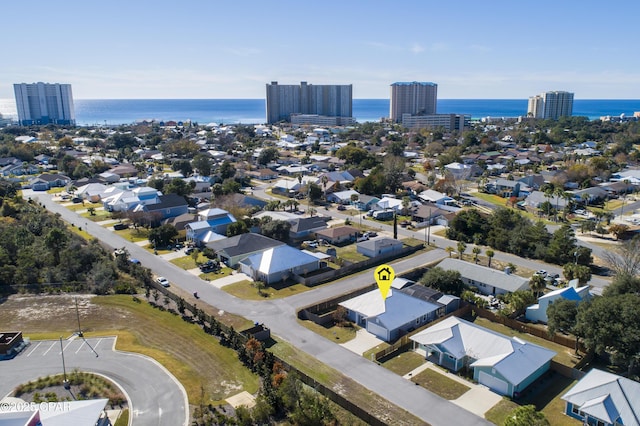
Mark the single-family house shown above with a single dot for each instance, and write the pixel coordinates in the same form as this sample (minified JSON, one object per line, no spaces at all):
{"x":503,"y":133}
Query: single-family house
{"x":46,"y":181}
{"x":278,"y":264}
{"x":232,"y":250}
{"x":508,"y":188}
{"x":303,"y":227}
{"x":92,"y":192}
{"x":535,"y":199}
{"x":431,"y":214}
{"x":390,"y":318}
{"x":488,"y":281}
{"x":603,"y":398}
{"x":591,"y":195}
{"x":342,"y":197}
{"x":124,"y":200}
{"x":538,"y":312}
{"x":170,"y":205}
{"x":338,"y":235}
{"x":506,"y":365}
{"x":287,"y":187}
{"x":387,"y":203}
{"x":211,"y":226}
{"x":366,"y":202}
{"x":379,"y":246}
{"x":462,"y":171}
{"x":435,"y":197}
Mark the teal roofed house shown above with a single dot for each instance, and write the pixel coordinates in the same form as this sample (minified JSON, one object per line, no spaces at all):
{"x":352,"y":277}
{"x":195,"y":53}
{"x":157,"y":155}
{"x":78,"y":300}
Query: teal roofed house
{"x":506,"y":365}
{"x":211,"y":226}
{"x":604,"y":399}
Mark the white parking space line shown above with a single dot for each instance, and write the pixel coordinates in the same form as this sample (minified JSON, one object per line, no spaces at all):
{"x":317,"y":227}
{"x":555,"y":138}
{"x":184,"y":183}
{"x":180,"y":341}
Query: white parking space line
{"x":96,"y":345}
{"x":81,"y":345}
{"x":34,"y":349}
{"x":65,"y":347}
{"x":47,"y":351}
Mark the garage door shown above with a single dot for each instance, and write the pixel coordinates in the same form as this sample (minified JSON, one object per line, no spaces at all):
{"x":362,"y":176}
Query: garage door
{"x":493,"y":383}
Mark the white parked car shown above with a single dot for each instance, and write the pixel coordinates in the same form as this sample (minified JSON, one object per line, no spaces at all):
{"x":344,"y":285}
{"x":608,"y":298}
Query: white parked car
{"x":163,"y":281}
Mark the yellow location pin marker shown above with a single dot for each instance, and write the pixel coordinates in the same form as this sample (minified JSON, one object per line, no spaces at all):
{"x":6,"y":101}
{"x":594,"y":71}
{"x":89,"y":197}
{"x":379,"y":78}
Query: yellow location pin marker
{"x":384,"y":275}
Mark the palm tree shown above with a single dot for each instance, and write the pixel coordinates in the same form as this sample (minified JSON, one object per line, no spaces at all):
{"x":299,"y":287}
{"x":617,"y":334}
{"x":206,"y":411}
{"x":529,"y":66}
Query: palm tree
{"x":559,"y":193}
{"x":324,"y":180}
{"x":476,"y":251}
{"x":461,"y":248}
{"x":449,"y":250}
{"x":490,"y":253}
{"x":537,"y":284}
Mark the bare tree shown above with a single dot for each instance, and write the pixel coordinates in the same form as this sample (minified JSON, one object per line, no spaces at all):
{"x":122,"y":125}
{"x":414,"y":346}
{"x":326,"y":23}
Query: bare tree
{"x":625,"y":259}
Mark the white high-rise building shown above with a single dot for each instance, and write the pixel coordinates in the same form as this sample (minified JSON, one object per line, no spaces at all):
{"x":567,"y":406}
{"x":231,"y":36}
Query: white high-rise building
{"x":324,"y":100}
{"x":412,"y":98}
{"x":44,"y":103}
{"x":551,"y":105}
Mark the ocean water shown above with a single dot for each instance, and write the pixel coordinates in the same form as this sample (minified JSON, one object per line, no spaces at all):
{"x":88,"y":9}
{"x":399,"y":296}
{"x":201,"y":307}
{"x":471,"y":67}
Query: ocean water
{"x":253,"y":111}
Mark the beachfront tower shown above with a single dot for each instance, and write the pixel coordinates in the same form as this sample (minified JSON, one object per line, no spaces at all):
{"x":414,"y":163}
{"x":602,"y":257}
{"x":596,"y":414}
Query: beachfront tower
{"x":284,"y":100}
{"x":551,"y":105}
{"x":414,"y":98}
{"x":44,"y":103}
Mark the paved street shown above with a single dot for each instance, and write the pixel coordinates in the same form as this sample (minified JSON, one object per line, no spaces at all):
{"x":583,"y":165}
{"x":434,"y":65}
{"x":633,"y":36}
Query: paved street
{"x":157,"y":398}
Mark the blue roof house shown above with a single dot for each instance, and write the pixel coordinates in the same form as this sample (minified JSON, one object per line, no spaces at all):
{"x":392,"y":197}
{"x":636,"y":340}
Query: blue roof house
{"x":392,"y":317}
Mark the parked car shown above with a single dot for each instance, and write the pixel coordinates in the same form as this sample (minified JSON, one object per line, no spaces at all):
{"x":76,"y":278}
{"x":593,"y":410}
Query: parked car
{"x":341,"y":207}
{"x":189,"y":250}
{"x":209,"y":266}
{"x":163,"y":281}
{"x":541,"y":272}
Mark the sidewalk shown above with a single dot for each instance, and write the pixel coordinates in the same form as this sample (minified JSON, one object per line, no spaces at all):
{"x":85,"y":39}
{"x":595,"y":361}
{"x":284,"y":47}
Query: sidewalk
{"x":221,"y":282}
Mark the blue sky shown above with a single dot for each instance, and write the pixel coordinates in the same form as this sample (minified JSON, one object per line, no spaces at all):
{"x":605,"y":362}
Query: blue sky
{"x":224,"y":49}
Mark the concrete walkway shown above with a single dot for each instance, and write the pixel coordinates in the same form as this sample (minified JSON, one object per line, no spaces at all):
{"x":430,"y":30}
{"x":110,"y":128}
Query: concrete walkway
{"x":478,"y":400}
{"x":362,"y":342}
{"x":229,"y":279}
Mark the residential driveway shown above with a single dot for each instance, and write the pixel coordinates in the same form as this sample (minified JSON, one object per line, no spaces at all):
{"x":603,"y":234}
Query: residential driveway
{"x":156,"y":396}
{"x":229,"y":279}
{"x":362,"y":342}
{"x":478,"y":400}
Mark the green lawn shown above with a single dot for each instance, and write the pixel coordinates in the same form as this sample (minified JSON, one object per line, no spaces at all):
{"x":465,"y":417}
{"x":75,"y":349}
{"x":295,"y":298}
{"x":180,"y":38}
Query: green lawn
{"x":499,"y":412}
{"x":133,"y":235}
{"x":333,"y":333}
{"x":246,"y":290}
{"x":404,"y":363}
{"x":98,"y":215}
{"x":210,"y":276}
{"x":440,"y":384}
{"x":187,"y":262}
{"x":369,"y":354}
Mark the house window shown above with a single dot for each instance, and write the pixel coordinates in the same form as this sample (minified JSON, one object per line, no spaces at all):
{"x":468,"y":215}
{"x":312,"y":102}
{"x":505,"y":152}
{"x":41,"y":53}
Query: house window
{"x":417,"y":320}
{"x":575,"y":410}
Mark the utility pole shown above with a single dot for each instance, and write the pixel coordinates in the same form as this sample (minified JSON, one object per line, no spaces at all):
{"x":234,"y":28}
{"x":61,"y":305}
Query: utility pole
{"x":78,"y":317}
{"x":65,"y":382}
{"x":429,"y":228}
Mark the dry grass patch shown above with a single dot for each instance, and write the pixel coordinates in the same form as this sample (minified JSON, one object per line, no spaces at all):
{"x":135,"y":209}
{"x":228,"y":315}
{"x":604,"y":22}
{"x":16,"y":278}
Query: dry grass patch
{"x":499,"y":412}
{"x":246,"y":290}
{"x":404,"y":363}
{"x":333,"y":333}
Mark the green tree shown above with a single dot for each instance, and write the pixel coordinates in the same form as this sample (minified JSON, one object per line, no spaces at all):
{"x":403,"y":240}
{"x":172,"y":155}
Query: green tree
{"x":56,"y":239}
{"x":561,"y":316}
{"x":466,"y":225}
{"x":162,"y":235}
{"x":537,"y":284}
{"x":446,"y":281}
{"x":227,"y":170}
{"x":267,"y":155}
{"x":394,"y":168}
{"x":490,"y":253}
{"x":572,"y":271}
{"x":526,"y":415}
{"x":476,"y":251}
{"x":277,"y":229}
{"x":178,"y":186}
{"x":461,"y":248}
{"x":611,"y":325}
{"x":202,"y":163}
{"x":237,"y":228}
{"x":561,"y":246}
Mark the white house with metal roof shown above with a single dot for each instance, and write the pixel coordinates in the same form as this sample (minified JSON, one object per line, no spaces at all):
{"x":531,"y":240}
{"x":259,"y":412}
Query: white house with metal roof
{"x":392,"y":317}
{"x":602,"y":398}
{"x":505,"y":365}
{"x":487,"y":280}
{"x":278,"y":263}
